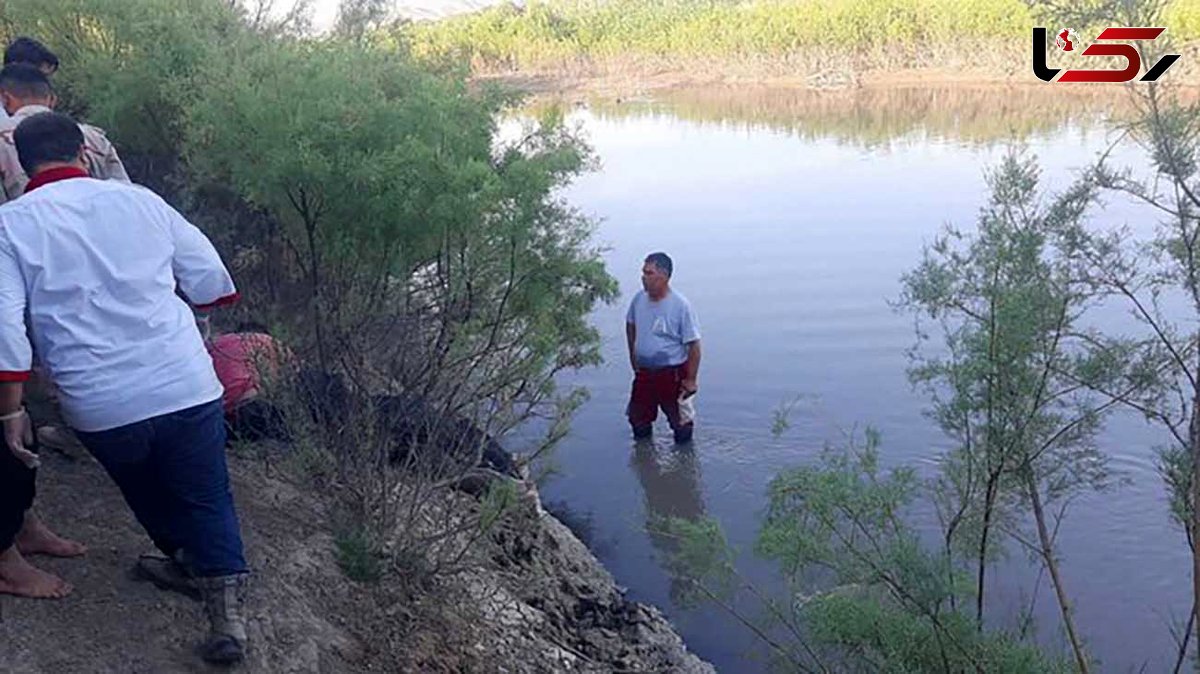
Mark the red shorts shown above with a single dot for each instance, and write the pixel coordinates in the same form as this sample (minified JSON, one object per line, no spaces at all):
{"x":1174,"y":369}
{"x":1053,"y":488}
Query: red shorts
{"x":653,"y":389}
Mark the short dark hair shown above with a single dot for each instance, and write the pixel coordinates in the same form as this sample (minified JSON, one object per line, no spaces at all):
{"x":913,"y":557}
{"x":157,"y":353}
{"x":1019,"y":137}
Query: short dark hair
{"x":253,"y":326}
{"x":662,"y":261}
{"x":30,"y":51}
{"x":47,"y":137}
{"x":25,"y":81}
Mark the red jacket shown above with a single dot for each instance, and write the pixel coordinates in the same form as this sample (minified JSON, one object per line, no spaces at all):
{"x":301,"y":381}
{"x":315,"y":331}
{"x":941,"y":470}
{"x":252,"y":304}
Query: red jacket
{"x":241,"y":360}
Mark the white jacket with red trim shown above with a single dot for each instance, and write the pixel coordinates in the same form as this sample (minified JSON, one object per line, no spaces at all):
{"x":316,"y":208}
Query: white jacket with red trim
{"x":94,"y":265}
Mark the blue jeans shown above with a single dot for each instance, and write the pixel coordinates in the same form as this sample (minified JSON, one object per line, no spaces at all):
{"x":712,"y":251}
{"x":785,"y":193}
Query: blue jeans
{"x":171,"y":470}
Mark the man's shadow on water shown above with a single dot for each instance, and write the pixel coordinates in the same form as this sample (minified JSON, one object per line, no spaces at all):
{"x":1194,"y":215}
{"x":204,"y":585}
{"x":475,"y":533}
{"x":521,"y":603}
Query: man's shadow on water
{"x":672,"y":488}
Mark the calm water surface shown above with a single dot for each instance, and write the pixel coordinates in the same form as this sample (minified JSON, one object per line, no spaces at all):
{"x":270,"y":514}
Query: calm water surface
{"x":790,"y":232}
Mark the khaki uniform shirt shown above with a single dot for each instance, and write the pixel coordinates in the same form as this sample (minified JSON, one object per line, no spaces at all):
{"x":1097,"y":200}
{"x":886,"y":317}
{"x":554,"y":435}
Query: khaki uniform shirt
{"x":99,"y":155}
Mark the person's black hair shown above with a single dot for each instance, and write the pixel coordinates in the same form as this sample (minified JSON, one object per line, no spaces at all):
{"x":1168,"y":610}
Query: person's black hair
{"x":29,"y":51}
{"x":47,"y":137}
{"x":25,"y":81}
{"x":253,"y":326}
{"x":662,"y":261}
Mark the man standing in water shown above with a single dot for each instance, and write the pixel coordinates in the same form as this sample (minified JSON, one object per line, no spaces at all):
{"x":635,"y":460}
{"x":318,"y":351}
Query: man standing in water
{"x":664,"y":349}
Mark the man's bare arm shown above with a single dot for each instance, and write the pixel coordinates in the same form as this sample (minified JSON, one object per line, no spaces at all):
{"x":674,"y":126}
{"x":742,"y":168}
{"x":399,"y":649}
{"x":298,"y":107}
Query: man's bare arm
{"x":10,"y":396}
{"x":693,"y":367}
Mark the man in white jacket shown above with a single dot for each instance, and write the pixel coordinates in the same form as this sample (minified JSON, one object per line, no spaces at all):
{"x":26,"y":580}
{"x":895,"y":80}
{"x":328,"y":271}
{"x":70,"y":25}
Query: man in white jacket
{"x":95,"y":264}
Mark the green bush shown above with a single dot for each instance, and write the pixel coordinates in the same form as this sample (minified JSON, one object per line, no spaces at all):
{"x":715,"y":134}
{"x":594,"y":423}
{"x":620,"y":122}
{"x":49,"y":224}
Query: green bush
{"x":129,"y":66}
{"x":358,"y":556}
{"x":371,"y":214}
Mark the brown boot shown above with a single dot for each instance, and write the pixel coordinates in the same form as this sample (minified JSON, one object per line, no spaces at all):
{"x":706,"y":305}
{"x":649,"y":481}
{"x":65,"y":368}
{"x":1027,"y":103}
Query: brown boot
{"x":167,"y":574}
{"x":224,"y":602}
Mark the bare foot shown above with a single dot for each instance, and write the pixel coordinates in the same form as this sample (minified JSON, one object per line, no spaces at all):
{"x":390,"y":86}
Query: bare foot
{"x":21,"y":578}
{"x":37,"y":539}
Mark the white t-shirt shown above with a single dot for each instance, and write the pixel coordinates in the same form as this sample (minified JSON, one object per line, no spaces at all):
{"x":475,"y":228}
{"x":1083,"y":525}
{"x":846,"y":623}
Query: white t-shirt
{"x":94,"y":265}
{"x":664,"y":329}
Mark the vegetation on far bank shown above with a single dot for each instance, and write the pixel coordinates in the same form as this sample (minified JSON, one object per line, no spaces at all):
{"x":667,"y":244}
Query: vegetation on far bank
{"x":881,"y":33}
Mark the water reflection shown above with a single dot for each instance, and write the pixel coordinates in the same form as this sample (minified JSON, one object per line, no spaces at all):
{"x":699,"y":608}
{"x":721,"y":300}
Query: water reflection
{"x":671,"y":488}
{"x":872,"y":116}
{"x":875,"y":116}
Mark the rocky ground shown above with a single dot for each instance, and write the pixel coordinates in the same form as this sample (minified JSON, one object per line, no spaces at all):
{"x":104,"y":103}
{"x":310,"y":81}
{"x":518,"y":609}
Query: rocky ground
{"x":537,"y":601}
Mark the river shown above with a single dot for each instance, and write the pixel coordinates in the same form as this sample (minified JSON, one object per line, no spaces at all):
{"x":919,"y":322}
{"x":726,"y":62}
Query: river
{"x":791,"y":218}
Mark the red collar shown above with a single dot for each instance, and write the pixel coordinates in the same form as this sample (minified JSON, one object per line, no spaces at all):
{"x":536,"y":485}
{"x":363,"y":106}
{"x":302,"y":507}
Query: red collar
{"x":54,"y":175}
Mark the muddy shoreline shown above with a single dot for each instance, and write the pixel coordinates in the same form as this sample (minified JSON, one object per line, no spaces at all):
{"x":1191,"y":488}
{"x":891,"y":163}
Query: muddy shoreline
{"x":631,"y":79}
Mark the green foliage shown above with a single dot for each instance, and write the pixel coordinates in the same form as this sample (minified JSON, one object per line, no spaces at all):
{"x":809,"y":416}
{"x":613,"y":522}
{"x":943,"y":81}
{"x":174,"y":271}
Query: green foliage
{"x":551,"y":31}
{"x":358,"y":556}
{"x":1183,"y":18}
{"x":129,"y":65}
{"x":500,"y":498}
{"x":547,"y":32}
{"x":865,"y":593}
{"x":817,"y":516}
{"x":1175,"y":467}
{"x":377,"y":157}
{"x":1004,"y":379}
{"x":377,"y":171}
{"x":890,"y":639}
{"x":1162,"y":381}
{"x":781,"y":416}
{"x":1156,"y":364}
{"x":1006,"y":308}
